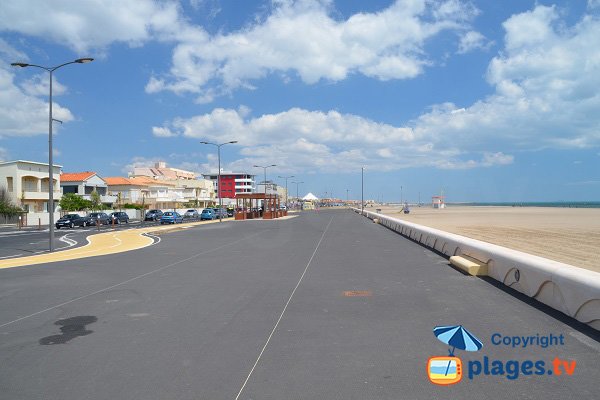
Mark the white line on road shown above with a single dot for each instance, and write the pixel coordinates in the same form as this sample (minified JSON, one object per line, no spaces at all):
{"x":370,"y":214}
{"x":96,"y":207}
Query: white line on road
{"x":14,"y":255}
{"x":283,"y":312}
{"x":129,"y":280}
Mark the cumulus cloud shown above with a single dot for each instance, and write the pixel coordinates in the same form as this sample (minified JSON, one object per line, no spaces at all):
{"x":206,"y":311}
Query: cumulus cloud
{"x":92,"y":24}
{"x":303,"y":39}
{"x":299,"y":139}
{"x":544,"y":81}
{"x":23,"y":109}
{"x":472,"y":40}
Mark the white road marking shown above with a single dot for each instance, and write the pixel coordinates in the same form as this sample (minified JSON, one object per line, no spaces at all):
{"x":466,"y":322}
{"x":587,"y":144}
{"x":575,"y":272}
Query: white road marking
{"x":284,"y":310}
{"x":14,"y":255}
{"x":128,"y":280}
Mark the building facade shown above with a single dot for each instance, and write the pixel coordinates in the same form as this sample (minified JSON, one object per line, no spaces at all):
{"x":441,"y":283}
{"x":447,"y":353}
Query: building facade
{"x":84,"y":183}
{"x":232,"y":183}
{"x":27,"y":184}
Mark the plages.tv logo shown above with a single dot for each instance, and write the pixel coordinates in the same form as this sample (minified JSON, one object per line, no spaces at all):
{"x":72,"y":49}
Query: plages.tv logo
{"x":448,"y":370}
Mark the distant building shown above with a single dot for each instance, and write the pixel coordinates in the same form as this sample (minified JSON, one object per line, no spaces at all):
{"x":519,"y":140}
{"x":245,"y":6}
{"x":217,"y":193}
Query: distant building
{"x":27,"y":184}
{"x":84,"y":183}
{"x":438,"y":202}
{"x":232,"y":183}
{"x":160,"y":171}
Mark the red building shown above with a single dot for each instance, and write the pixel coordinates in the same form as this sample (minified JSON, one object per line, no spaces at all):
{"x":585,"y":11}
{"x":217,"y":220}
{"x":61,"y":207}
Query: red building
{"x":232,"y":183}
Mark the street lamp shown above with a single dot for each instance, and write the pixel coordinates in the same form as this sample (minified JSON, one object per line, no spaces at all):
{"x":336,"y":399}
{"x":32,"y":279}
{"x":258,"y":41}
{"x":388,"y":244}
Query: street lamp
{"x":297,"y":198}
{"x":286,"y":188}
{"x":265,"y":171}
{"x":218,"y":145}
{"x":50,"y":161}
{"x":362,"y":189}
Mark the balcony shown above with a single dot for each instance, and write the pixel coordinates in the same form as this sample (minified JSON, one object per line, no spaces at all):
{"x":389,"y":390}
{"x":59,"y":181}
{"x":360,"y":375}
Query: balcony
{"x":40,"y":195}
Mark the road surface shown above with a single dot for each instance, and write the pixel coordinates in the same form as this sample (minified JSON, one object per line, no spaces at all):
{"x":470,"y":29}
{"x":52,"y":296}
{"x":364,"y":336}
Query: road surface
{"x":327,"y":305}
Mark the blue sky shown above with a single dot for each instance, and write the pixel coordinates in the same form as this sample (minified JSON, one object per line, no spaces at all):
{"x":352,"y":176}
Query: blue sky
{"x":486,"y":100}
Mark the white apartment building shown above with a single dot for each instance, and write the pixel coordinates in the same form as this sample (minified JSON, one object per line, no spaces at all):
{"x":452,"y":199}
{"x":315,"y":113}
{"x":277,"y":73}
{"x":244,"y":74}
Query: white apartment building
{"x":27,"y":184}
{"x":84,"y":183}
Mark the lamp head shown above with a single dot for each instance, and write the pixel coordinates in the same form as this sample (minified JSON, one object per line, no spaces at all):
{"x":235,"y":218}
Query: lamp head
{"x":233,"y":141}
{"x":84,"y":60}
{"x":17,"y":64}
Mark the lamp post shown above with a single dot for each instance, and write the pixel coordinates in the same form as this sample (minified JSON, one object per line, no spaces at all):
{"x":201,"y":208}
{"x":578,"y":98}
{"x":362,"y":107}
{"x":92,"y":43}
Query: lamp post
{"x":219,"y":145}
{"x":362,"y":189}
{"x":286,"y":189}
{"x":50,"y":161}
{"x":347,"y":190}
{"x":297,"y":198}
{"x":264,"y":167}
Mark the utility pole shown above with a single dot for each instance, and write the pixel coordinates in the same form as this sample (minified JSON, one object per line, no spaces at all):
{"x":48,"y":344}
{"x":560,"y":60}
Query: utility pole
{"x":362,"y":189}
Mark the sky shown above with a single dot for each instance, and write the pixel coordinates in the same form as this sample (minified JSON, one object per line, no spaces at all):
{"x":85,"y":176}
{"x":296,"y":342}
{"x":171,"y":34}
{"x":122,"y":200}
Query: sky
{"x":481,"y":100}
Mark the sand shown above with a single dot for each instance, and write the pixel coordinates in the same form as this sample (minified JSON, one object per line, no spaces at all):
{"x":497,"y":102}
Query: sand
{"x":568,"y":235}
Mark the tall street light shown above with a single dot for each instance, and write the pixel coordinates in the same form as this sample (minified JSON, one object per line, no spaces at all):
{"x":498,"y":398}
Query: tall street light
{"x":264,"y":167}
{"x":297,"y":197}
{"x":286,"y":188}
{"x":362,"y":189}
{"x":50,"y":161}
{"x":218,"y":145}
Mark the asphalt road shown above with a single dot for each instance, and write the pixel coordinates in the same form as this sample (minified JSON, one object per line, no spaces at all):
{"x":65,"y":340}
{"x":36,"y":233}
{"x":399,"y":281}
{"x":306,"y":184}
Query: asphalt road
{"x":257,"y":310}
{"x":32,"y":240}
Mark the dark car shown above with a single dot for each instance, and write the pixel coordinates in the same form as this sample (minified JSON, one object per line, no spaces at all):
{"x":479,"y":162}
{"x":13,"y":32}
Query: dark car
{"x":171,"y":217}
{"x":153,"y":215}
{"x":71,"y":221}
{"x":99,"y":218}
{"x":230,"y":212}
{"x":118,"y":217}
{"x":220,"y":213}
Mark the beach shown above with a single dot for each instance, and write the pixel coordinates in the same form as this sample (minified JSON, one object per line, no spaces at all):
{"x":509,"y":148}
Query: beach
{"x":568,"y":235}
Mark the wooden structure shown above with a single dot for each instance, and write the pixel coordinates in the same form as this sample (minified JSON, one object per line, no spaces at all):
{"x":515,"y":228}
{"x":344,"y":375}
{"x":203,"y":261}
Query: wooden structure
{"x":247,"y":206}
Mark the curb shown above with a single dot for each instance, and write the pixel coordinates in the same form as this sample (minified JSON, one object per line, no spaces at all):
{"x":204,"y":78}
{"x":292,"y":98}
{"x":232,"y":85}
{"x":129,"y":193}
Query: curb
{"x":569,"y":289}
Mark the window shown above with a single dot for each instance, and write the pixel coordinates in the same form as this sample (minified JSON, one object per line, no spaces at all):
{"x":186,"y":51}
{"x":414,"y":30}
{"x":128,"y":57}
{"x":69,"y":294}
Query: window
{"x":9,"y":183}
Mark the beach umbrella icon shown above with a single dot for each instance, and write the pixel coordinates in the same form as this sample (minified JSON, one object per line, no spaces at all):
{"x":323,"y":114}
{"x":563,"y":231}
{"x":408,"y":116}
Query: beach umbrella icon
{"x":457,"y":337}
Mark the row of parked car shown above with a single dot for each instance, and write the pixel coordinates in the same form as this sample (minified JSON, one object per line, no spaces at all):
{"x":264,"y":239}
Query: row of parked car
{"x":95,"y":218}
{"x":119,"y":217}
{"x":173,"y":217}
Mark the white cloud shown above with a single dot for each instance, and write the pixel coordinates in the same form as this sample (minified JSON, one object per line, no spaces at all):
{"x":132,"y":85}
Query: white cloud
{"x":22,"y":111}
{"x":92,"y":24}
{"x":3,"y":154}
{"x":545,"y":84}
{"x":162,"y":132}
{"x":472,"y":40}
{"x":302,"y":38}
{"x":299,"y":139}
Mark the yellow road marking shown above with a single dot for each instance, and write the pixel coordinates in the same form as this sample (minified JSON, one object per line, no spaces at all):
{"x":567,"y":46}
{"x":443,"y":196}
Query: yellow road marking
{"x":101,"y":244}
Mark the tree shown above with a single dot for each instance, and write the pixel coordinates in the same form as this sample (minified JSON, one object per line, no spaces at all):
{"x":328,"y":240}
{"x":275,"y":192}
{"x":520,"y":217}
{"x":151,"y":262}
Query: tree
{"x":7,"y":209}
{"x":72,"y":202}
{"x":96,"y":204}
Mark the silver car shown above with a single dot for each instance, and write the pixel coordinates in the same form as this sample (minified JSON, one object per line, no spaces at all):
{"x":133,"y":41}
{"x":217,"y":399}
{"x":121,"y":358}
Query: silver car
{"x":191,"y":214}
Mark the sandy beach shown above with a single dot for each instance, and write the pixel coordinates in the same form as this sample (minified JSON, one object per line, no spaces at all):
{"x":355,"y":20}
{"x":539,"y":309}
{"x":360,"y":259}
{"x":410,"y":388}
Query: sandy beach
{"x":569,"y":235}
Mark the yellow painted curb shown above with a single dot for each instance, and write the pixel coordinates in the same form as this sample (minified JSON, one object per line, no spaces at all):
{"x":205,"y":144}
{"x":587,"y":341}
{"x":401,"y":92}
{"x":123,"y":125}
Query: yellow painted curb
{"x":470,"y":265}
{"x":102,"y":244}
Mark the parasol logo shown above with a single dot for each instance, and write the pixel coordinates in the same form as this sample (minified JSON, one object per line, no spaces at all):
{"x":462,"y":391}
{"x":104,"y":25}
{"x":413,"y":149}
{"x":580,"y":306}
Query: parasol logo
{"x":448,"y":370}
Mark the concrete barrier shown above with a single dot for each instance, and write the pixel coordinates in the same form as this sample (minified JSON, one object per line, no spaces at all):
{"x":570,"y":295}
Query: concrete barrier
{"x":572,"y":290}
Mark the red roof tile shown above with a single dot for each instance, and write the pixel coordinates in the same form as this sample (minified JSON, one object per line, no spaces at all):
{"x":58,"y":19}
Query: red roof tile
{"x":76,"y":176}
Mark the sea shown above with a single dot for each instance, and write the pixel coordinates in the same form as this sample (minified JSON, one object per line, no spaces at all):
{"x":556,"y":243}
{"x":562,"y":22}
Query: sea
{"x":558,"y":204}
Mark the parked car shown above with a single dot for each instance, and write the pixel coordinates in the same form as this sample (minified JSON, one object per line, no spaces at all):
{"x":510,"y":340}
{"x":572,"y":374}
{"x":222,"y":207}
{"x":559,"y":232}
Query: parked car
{"x":207,"y":214}
{"x":191,"y":214}
{"x":153,"y":215}
{"x":171,"y":217}
{"x":99,"y":218}
{"x":71,"y":221}
{"x":118,"y":217}
{"x":220,"y":212}
{"x":230,"y":212}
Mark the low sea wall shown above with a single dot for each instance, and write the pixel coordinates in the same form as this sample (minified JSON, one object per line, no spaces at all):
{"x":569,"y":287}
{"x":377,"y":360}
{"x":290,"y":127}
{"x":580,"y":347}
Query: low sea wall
{"x":566,"y":288}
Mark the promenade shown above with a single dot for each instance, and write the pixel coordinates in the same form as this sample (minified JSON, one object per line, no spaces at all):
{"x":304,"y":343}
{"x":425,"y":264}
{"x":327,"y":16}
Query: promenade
{"x":327,"y":305}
